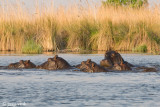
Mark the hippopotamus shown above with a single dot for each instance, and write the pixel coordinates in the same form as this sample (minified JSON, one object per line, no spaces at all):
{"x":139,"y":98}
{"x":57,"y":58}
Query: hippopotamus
{"x":114,"y":57}
{"x":90,"y":66}
{"x":54,"y":64}
{"x":123,"y":66}
{"x":27,"y":64}
{"x":113,"y":60}
{"x":146,"y":69}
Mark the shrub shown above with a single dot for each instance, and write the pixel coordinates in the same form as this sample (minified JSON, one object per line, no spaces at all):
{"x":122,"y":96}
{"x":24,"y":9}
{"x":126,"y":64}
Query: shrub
{"x":141,"y":48}
{"x":31,"y":47}
{"x":131,"y":3}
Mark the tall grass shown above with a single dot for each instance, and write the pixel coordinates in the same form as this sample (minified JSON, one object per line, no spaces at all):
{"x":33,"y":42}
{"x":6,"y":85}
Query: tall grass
{"x":31,"y":47}
{"x":80,"y":28}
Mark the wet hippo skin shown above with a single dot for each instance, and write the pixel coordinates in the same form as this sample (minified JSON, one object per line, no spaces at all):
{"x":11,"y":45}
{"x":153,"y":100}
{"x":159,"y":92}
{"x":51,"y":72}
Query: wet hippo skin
{"x":90,"y":66}
{"x":113,"y":60}
{"x":27,"y":64}
{"x":54,"y":64}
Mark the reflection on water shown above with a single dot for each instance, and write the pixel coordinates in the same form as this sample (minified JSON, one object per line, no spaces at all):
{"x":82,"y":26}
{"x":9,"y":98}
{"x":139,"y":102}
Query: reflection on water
{"x":51,"y":52}
{"x":2,"y":53}
{"x":63,"y":88}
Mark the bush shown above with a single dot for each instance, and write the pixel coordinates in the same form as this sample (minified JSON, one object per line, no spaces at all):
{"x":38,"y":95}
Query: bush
{"x":141,"y":48}
{"x":131,"y":3}
{"x":31,"y":47}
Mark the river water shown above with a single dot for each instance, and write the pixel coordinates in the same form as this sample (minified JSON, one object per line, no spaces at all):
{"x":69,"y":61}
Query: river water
{"x":69,"y":88}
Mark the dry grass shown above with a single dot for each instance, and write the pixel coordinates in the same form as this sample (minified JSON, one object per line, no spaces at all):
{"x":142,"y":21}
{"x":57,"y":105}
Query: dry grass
{"x":77,"y":27}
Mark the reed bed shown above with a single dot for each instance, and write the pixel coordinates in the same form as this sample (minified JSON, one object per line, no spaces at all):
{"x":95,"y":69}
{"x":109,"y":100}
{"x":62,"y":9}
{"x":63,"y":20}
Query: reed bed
{"x":80,"y":28}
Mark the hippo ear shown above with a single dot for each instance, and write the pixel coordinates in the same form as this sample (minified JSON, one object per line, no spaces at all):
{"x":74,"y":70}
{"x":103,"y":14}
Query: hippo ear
{"x":55,"y":57}
{"x":88,"y":61}
{"x":21,"y":61}
{"x":93,"y":65}
{"x":49,"y":59}
{"x":28,"y":61}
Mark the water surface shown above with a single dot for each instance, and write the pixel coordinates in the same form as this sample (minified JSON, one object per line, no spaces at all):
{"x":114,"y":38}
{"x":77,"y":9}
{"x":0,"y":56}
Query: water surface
{"x":69,"y":88}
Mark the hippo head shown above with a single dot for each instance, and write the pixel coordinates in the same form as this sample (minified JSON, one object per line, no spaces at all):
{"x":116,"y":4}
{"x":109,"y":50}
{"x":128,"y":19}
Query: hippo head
{"x":116,"y":58}
{"x":28,"y":64}
{"x":122,"y":67}
{"x":90,"y":66}
{"x":83,"y":65}
{"x":61,"y":63}
{"x":19,"y":64}
{"x":22,"y":64}
{"x":54,"y":64}
{"x":50,"y":64}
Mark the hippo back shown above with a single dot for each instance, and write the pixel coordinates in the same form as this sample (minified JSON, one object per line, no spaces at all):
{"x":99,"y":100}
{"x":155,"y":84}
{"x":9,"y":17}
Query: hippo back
{"x":61,"y":63}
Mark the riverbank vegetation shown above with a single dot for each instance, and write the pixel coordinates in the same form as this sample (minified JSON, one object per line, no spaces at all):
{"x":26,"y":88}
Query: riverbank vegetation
{"x":80,"y":28}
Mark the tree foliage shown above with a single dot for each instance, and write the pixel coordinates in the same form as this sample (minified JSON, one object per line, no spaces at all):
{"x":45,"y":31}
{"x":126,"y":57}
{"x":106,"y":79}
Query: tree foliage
{"x":130,"y":3}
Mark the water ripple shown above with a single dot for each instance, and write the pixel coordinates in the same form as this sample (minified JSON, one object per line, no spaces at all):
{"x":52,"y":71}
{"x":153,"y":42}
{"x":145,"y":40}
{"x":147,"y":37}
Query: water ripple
{"x":70,"y":88}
